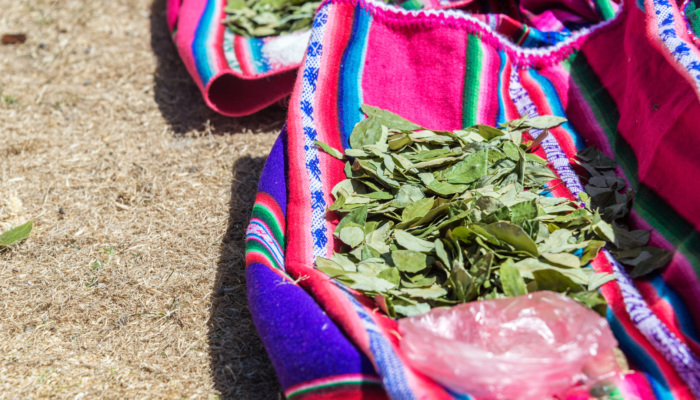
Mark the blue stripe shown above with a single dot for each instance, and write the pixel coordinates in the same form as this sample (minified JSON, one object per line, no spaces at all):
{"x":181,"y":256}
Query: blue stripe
{"x":259,"y":61}
{"x":501,"y":117}
{"x":350,"y":96}
{"x":200,"y":45}
{"x":683,"y":316}
{"x":261,"y":240}
{"x":537,"y":38}
{"x":639,"y":359}
{"x":267,"y":231}
{"x":554,"y":103}
{"x":389,"y":367}
{"x":661,"y":392}
{"x":459,"y":396}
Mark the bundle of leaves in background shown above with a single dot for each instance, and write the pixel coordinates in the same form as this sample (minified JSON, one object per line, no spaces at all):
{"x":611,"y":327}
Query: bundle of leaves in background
{"x":692,"y":13}
{"x":260,"y":18}
{"x":441,"y":218}
{"x":603,"y":195}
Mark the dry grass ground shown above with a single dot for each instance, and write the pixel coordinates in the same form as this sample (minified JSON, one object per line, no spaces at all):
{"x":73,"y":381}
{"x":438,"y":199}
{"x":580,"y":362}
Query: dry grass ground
{"x":132,"y":284}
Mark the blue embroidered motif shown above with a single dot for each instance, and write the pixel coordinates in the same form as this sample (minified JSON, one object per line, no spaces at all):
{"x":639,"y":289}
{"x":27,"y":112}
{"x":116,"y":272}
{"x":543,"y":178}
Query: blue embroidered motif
{"x":320,"y":238}
{"x":311,"y":75}
{"x":310,"y":132}
{"x":681,"y":50}
{"x":313,"y":167}
{"x":307,"y":108}
{"x":317,"y":200}
{"x":667,"y":20}
{"x":315,"y":49}
{"x":320,"y":20}
{"x":695,"y":66}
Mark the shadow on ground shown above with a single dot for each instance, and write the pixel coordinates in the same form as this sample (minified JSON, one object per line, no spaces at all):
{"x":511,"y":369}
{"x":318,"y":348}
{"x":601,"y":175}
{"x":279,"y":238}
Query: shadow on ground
{"x":179,"y":98}
{"x":239,"y":363}
{"x":240,"y":366}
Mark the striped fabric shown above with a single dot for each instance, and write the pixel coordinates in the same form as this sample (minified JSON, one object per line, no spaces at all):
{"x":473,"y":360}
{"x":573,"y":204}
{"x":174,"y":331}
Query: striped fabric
{"x":254,"y":56}
{"x":265,"y":234}
{"x":333,"y":387}
{"x":237,"y":75}
{"x":691,"y":14}
{"x":448,"y":70}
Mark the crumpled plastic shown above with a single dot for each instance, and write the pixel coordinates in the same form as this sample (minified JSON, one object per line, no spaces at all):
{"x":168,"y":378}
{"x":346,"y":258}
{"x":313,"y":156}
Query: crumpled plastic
{"x":530,"y":347}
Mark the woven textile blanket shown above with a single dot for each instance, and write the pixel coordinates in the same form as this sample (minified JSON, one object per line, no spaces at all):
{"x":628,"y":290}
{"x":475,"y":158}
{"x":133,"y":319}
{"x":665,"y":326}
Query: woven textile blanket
{"x":239,"y":75}
{"x":629,"y":84}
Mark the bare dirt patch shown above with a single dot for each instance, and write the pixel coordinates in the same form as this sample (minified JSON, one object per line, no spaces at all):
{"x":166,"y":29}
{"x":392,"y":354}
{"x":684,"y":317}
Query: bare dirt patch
{"x":132,"y":284}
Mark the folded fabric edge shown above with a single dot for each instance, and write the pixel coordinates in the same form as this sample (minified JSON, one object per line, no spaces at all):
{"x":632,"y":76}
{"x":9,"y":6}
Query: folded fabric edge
{"x":235,"y":95}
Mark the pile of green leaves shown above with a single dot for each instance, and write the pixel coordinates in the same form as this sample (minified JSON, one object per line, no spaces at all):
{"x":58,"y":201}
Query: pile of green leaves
{"x":606,"y":194}
{"x":440,"y":218}
{"x":259,"y":18}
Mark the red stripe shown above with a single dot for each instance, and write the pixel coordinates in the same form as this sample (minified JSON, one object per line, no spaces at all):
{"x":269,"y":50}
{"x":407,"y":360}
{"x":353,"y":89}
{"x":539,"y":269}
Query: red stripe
{"x":488,"y":98}
{"x":540,"y":100}
{"x":664,"y":311}
{"x":635,"y":386}
{"x":340,"y":24}
{"x":511,"y":110}
{"x":299,"y":257}
{"x":613,"y":295}
{"x":241,"y":48}
{"x":269,"y":202}
{"x":221,"y":64}
{"x":299,"y":241}
{"x":578,"y":111}
{"x":558,"y":188}
{"x":344,"y":393}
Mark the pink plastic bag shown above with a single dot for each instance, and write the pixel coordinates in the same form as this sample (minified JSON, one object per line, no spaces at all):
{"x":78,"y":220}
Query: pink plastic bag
{"x":529,"y":347}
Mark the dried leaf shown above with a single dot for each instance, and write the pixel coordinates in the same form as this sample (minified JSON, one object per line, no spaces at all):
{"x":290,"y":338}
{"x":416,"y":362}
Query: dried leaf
{"x":328,"y":149}
{"x":511,"y":281}
{"x":17,"y":234}
{"x":545,"y":122}
{"x":409,"y":260}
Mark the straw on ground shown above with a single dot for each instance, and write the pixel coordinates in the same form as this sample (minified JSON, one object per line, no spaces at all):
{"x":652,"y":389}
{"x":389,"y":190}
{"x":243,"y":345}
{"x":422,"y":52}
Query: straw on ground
{"x":132,"y":283}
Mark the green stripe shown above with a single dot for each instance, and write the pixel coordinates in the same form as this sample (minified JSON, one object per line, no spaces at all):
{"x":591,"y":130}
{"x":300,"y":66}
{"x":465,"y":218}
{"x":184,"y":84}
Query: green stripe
{"x":605,"y":9}
{"x":472,"y":81}
{"x":256,"y":246}
{"x":665,"y":220}
{"x":263,"y":213}
{"x":616,"y":394}
{"x":523,"y":35}
{"x":648,"y":204}
{"x":604,"y":110}
{"x":332,"y":385}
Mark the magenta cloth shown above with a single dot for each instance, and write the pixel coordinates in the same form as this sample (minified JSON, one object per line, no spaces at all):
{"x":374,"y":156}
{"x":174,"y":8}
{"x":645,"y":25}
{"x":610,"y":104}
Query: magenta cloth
{"x":628,"y":83}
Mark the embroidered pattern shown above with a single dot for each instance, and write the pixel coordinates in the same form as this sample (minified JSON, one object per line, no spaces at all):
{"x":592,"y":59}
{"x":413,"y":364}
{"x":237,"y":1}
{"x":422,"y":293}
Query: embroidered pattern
{"x":308,"y":92}
{"x":673,"y":350}
{"x":653,"y":329}
{"x":555,"y":154}
{"x":389,"y":366}
{"x":677,"y":47}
